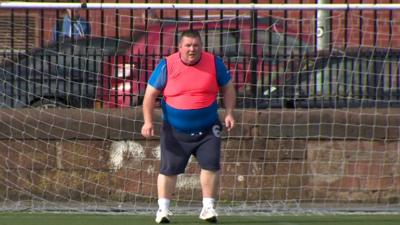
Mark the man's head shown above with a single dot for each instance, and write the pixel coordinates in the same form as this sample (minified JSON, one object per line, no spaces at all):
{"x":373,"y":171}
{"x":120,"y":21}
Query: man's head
{"x":72,"y":13}
{"x":190,"y":47}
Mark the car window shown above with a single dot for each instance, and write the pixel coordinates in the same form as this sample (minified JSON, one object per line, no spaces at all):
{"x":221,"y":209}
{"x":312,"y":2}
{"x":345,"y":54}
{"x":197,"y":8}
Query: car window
{"x":220,"y":42}
{"x":277,"y":44}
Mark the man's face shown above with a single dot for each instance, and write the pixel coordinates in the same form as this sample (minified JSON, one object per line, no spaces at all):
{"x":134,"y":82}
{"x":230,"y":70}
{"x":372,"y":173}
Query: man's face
{"x":72,"y":13}
{"x":190,"y":50}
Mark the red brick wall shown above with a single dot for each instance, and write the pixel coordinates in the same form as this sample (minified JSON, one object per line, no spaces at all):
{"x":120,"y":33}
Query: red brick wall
{"x":347,"y":27}
{"x":314,"y":156}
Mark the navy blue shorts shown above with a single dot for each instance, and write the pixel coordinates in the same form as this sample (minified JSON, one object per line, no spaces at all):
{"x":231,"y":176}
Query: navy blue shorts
{"x":177,"y":147}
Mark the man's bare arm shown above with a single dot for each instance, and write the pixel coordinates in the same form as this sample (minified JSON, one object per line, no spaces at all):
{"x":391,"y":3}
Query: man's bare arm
{"x":229,"y":94}
{"x":149,"y":103}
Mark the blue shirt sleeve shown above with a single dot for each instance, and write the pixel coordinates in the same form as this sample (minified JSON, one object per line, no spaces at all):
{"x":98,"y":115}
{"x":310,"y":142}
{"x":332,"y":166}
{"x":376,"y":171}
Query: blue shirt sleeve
{"x":158,"y":78}
{"x":223,"y":74}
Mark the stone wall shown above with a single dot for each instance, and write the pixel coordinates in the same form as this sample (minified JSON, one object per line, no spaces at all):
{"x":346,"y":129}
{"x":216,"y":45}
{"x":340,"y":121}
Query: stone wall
{"x":349,"y":155}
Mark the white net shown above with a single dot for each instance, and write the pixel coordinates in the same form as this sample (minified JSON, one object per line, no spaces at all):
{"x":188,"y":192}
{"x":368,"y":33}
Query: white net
{"x":317,"y":111}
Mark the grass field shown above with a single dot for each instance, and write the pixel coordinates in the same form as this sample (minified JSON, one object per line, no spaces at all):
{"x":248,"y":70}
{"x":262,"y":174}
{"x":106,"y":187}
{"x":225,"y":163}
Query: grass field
{"x":98,"y":219}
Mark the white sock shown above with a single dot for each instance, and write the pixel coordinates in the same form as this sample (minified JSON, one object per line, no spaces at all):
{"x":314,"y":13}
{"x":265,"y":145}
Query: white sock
{"x":163,"y":203}
{"x":208,"y":202}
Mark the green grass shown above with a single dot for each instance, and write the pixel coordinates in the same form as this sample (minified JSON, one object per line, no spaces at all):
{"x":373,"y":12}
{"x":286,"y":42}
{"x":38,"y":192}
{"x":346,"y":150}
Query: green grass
{"x":99,"y":219}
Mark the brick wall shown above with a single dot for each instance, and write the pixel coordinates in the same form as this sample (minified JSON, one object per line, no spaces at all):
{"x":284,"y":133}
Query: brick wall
{"x":311,"y":155}
{"x":349,"y":29}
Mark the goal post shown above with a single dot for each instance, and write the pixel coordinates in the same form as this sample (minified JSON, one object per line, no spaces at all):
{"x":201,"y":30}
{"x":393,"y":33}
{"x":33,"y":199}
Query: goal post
{"x":317,"y":128}
{"x":194,"y":6}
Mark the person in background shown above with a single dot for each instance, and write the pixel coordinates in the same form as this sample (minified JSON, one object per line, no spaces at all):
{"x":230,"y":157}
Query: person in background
{"x":189,"y":81}
{"x":72,"y":26}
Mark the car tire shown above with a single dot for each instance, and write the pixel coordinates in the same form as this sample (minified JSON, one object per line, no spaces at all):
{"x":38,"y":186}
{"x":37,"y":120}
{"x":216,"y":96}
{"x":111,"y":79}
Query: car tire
{"x":48,"y":103}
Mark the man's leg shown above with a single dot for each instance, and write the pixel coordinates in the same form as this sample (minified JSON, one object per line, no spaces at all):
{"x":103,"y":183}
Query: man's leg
{"x":209,"y":184}
{"x":166,"y":187}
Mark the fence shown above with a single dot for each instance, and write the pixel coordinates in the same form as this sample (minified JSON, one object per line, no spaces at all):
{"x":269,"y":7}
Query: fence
{"x":272,"y":55}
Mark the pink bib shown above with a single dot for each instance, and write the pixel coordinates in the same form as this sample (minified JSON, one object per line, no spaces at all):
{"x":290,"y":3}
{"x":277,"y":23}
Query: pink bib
{"x":191,"y":87}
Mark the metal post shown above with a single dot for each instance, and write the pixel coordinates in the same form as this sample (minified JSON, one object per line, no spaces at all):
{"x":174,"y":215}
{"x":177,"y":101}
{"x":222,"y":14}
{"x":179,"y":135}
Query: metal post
{"x":323,"y":27}
{"x":253,"y":88}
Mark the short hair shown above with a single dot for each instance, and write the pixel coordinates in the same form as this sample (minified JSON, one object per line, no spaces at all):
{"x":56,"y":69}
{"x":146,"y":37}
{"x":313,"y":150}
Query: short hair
{"x":190,"y":34}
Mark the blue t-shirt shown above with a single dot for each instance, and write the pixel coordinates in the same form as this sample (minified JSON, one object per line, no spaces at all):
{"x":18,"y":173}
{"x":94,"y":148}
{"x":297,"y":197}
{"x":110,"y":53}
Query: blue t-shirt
{"x":189,"y":120}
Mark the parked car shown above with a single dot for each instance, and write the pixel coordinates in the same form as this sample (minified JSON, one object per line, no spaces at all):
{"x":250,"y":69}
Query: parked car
{"x":353,"y":77}
{"x":69,"y":73}
{"x":231,"y":38}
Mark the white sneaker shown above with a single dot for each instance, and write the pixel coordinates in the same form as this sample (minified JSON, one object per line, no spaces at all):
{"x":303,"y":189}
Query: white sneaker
{"x":209,"y":214}
{"x":162,"y":216}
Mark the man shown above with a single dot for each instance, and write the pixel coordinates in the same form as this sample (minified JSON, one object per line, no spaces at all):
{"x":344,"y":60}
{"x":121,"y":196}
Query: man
{"x":189,"y":81}
{"x":72,"y":26}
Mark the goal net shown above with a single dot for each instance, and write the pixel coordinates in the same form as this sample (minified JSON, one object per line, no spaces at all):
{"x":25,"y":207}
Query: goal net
{"x":318,"y":96}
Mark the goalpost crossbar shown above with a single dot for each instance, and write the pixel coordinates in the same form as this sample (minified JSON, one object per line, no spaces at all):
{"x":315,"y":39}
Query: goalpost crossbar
{"x":249,"y":6}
